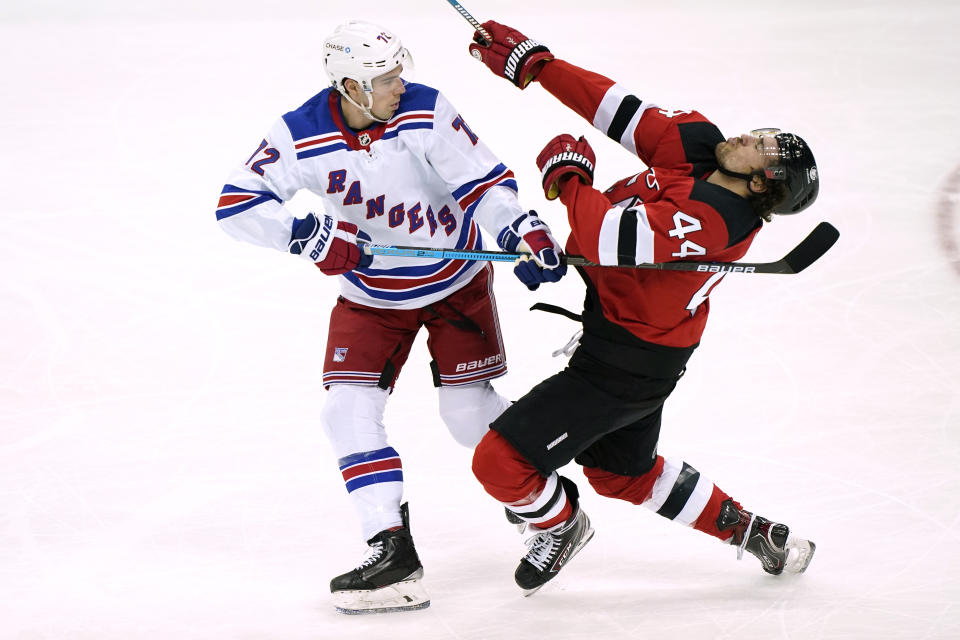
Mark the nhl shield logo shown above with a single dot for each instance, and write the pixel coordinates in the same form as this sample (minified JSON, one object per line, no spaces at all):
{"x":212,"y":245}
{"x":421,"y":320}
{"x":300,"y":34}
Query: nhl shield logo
{"x":364,"y":139}
{"x":340,"y":354}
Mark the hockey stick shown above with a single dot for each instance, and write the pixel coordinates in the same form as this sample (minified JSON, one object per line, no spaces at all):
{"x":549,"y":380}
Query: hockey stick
{"x":473,"y":21}
{"x":823,"y":236}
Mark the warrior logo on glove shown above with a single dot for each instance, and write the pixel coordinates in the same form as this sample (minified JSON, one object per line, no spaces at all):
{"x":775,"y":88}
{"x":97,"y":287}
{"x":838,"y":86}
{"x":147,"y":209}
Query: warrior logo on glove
{"x":562,"y":158}
{"x":518,"y":63}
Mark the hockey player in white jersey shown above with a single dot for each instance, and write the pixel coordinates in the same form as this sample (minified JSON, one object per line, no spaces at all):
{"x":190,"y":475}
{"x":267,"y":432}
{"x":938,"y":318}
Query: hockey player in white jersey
{"x":394,"y":163}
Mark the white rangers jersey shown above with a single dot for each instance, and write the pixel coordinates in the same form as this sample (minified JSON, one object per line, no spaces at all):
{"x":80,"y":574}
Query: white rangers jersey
{"x":421,"y":179}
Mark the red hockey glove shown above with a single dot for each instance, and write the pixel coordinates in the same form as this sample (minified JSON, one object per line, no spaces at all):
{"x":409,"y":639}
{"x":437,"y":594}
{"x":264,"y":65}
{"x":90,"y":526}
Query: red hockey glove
{"x":331,"y":245}
{"x":562,"y":158}
{"x":511,"y":55}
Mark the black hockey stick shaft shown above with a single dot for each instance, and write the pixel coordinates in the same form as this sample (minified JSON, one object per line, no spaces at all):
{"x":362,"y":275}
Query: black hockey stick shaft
{"x":817,"y":243}
{"x":473,"y":21}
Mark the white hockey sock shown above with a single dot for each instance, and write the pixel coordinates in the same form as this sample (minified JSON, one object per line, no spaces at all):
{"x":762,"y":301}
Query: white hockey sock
{"x":680,"y":493}
{"x":374,"y":481}
{"x":546,"y":506}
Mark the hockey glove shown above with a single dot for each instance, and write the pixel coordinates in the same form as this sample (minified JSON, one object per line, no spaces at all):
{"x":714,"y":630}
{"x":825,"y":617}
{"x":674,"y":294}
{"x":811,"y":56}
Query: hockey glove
{"x":563,"y":158}
{"x":329,"y":244}
{"x":511,"y":55}
{"x":528,"y":233}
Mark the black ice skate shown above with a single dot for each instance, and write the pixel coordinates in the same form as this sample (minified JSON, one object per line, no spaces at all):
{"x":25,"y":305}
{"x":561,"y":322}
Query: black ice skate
{"x":388,"y":579}
{"x":551,"y":549}
{"x":770,"y":542}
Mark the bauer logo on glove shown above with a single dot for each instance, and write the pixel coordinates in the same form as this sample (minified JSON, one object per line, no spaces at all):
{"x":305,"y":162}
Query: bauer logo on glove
{"x":331,"y":245}
{"x":321,"y":244}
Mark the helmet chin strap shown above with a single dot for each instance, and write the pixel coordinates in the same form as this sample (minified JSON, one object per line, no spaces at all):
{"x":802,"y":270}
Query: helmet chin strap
{"x":364,"y":109}
{"x":743,"y":176}
{"x":748,"y":177}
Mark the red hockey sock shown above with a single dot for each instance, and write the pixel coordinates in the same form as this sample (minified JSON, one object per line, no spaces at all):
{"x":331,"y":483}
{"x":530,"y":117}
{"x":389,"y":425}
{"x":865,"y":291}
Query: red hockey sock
{"x":707,"y":522}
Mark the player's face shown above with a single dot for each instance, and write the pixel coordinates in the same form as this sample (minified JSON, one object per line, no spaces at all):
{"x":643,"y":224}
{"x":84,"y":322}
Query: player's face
{"x":748,"y":152}
{"x":387,"y":90}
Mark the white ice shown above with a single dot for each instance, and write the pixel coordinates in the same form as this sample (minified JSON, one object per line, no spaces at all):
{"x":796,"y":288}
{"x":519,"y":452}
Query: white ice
{"x":162,"y":469}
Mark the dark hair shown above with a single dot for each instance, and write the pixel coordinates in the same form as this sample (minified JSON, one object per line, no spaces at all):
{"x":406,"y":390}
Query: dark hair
{"x":764,"y":203}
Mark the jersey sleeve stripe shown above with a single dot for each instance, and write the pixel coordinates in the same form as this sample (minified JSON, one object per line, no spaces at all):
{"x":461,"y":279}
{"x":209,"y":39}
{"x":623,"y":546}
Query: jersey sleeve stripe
{"x":628,"y":138}
{"x":505,"y":180}
{"x":234,"y":200}
{"x":627,"y":238}
{"x":463,"y":191}
{"x":619,"y":115}
{"x":625,"y":234}
{"x":610,"y":106}
{"x":624,"y":114}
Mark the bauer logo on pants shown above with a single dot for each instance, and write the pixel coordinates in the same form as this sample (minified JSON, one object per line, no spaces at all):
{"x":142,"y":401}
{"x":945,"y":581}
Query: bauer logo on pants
{"x":340,"y":354}
{"x":479,"y":364}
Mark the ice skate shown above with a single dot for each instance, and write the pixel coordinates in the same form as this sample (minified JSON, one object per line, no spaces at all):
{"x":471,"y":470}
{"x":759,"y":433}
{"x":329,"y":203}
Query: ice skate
{"x":388,"y":579}
{"x":770,"y":542}
{"x":551,"y":549}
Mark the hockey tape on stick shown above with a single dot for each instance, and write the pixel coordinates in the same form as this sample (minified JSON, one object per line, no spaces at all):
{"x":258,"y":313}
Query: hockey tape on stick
{"x":473,"y":21}
{"x":823,"y":236}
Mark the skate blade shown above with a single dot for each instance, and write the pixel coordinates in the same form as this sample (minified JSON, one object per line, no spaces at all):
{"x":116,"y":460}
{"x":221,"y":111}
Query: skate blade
{"x":363,"y":612}
{"x":583,"y":542}
{"x":408,"y":595}
{"x":799,"y":554}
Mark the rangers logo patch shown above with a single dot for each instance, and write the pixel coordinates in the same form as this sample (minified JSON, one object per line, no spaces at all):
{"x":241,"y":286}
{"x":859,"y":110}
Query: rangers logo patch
{"x":340,"y":354}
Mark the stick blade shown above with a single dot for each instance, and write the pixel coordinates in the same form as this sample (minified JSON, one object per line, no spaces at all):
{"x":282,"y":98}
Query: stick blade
{"x":823,"y":236}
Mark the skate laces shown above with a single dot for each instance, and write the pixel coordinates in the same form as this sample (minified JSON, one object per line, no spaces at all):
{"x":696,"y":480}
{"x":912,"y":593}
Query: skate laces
{"x":746,"y":536}
{"x":374,"y":552}
{"x":540,"y":548}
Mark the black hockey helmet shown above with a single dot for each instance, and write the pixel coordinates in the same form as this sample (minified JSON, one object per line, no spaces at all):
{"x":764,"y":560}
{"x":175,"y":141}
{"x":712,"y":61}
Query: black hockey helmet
{"x":796,"y":167}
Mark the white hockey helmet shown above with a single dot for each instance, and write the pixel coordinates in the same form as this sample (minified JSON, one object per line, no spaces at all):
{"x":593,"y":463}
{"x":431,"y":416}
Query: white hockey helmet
{"x":362,"y":51}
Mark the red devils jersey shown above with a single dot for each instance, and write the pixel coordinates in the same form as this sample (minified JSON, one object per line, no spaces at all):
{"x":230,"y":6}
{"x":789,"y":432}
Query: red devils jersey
{"x":666,"y":213}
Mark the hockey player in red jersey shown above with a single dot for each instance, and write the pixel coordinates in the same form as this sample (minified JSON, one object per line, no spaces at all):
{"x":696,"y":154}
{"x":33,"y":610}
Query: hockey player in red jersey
{"x":702,"y":197}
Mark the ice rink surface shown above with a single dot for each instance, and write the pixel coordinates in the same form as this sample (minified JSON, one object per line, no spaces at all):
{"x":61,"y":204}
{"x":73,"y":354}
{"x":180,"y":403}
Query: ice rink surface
{"x":163,"y":473}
